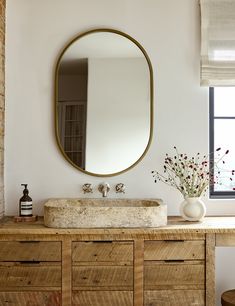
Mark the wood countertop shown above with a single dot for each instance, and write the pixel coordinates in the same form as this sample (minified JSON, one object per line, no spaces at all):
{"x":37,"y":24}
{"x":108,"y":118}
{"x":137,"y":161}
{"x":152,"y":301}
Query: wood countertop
{"x":176,"y":225}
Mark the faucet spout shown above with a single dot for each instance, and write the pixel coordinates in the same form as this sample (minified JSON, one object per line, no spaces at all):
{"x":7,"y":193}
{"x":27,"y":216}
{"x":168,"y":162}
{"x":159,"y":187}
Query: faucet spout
{"x":104,"y":189}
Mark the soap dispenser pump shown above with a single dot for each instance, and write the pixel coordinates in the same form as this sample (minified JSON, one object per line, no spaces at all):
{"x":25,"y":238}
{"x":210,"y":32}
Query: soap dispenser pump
{"x":26,"y":203}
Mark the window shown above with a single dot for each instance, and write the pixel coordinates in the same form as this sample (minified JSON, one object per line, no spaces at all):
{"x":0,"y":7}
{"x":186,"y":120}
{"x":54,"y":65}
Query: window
{"x":222,"y":135}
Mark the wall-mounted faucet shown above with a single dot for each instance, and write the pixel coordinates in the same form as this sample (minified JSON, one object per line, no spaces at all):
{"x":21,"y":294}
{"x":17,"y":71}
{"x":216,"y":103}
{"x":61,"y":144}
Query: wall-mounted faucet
{"x":104,"y":189}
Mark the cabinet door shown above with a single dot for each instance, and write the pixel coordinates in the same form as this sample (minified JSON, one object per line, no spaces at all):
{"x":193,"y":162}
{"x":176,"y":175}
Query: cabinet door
{"x":174,"y":273}
{"x":30,"y":273}
{"x":174,"y":298}
{"x":34,"y":298}
{"x":102,"y":298}
{"x":102,"y":273}
{"x":30,"y":251}
{"x":104,"y":251}
{"x":174,"y":250}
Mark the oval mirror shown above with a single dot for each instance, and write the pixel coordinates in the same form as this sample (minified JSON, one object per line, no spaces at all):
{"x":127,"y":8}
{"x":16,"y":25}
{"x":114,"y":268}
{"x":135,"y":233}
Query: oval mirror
{"x":103,"y":102}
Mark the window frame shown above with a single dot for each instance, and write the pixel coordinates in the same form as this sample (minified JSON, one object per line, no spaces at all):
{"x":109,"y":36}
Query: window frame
{"x":212,"y":193}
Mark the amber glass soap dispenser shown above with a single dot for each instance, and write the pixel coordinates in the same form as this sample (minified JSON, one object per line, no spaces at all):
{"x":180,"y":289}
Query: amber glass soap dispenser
{"x":26,"y":203}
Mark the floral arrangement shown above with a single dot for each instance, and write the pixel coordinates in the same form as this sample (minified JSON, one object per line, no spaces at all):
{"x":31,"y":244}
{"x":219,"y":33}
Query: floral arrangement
{"x":191,"y":175}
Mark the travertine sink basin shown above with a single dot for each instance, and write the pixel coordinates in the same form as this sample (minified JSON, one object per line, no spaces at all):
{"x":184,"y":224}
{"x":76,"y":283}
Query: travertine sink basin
{"x":95,"y":213}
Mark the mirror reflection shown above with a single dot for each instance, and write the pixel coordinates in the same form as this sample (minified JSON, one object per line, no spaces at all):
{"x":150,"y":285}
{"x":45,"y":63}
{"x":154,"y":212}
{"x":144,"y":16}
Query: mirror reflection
{"x":103,"y":102}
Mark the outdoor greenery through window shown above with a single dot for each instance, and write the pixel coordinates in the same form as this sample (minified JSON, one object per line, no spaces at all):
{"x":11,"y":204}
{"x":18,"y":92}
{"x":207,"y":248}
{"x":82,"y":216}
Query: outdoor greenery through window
{"x":222,"y":134}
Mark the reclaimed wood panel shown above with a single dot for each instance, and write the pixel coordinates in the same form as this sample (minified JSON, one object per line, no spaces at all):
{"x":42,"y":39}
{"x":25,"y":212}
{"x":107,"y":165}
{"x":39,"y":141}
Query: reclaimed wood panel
{"x":139,"y":273}
{"x":30,"y":250}
{"x":52,"y":298}
{"x":175,"y":275}
{"x":210,"y":270}
{"x":102,"y":298}
{"x":103,"y":276}
{"x":36,"y":274}
{"x":174,"y":250}
{"x":66,"y":272}
{"x":174,"y":298}
{"x":102,"y":251}
{"x":223,"y":240}
{"x":176,"y":228}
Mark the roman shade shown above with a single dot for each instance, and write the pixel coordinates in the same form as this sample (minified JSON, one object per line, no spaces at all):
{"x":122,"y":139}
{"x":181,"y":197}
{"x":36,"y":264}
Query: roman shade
{"x":217,"y":42}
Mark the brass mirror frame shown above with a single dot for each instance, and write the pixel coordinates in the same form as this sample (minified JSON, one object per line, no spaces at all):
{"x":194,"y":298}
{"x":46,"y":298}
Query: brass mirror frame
{"x":56,"y":99}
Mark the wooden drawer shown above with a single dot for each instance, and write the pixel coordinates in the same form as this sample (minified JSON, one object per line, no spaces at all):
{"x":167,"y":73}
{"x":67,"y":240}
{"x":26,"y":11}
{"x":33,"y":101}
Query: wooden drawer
{"x":102,"y":298}
{"x":30,"y":250}
{"x":174,"y":275}
{"x":47,"y":298}
{"x":15,"y":274}
{"x":102,"y":251}
{"x":98,"y":277}
{"x":174,"y":298}
{"x":176,"y":249}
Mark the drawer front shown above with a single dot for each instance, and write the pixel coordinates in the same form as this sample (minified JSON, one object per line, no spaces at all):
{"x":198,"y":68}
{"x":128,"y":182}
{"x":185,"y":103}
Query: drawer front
{"x":181,"y":249}
{"x":174,"y":298}
{"x":22,"y":274}
{"x":48,"y":298}
{"x":30,"y":250}
{"x":102,"y":298}
{"x":102,"y":251}
{"x":120,"y":277}
{"x":177,"y":275}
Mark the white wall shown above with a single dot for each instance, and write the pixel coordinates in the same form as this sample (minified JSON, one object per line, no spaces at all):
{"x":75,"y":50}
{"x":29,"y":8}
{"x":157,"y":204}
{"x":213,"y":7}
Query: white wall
{"x":118,"y":113}
{"x":36,"y":33}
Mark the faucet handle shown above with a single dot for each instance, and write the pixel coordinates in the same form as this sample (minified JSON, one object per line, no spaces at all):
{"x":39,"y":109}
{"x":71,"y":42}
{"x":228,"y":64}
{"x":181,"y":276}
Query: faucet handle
{"x":120,"y":188}
{"x":87,"y":188}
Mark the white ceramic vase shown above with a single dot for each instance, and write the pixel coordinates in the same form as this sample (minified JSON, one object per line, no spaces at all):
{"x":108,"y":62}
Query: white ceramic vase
{"x":193,"y":209}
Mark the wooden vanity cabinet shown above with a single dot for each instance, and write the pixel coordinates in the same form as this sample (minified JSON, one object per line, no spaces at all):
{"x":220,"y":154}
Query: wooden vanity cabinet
{"x":174,"y":273}
{"x":102,"y":273}
{"x":170,"y":266}
{"x":30,"y":273}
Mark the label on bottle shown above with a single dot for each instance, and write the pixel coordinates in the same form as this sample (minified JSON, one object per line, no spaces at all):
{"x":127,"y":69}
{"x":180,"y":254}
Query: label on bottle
{"x":26,"y":208}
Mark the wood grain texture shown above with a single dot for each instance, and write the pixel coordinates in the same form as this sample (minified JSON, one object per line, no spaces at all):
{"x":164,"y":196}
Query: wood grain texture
{"x":138,"y":272}
{"x":210,"y":270}
{"x":30,"y":298}
{"x":123,"y":249}
{"x":102,"y":251}
{"x":174,"y":275}
{"x":107,"y":276}
{"x":102,"y":298}
{"x":228,"y":298}
{"x":25,"y":219}
{"x":173,"y":250}
{"x":176,"y":226}
{"x":14,"y":274}
{"x":30,"y":250}
{"x":66,"y":272}
{"x":223,"y":240}
{"x":2,"y":101}
{"x":174,"y":298}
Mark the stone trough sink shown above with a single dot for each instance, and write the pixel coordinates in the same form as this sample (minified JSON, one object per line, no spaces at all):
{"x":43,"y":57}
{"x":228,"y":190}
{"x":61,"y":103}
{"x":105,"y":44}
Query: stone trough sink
{"x":109,"y":213}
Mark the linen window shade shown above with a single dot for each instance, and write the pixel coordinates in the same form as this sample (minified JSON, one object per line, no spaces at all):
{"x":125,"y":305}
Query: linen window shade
{"x":217,"y":42}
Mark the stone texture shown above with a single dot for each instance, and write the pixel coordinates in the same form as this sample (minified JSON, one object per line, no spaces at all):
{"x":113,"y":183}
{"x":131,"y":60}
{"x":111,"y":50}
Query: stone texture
{"x":2,"y":101}
{"x":98,"y":213}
